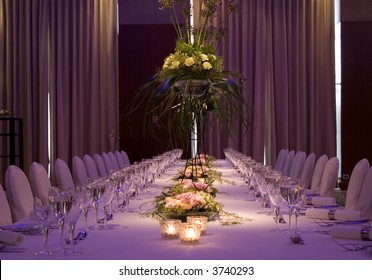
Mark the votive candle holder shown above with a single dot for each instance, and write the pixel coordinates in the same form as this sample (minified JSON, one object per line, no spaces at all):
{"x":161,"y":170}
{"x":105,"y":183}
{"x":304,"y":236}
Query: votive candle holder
{"x":199,"y":220}
{"x":190,"y":233}
{"x":169,"y":228}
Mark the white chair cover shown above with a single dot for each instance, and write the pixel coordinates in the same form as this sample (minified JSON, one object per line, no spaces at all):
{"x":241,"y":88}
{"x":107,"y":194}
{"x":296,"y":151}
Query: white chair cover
{"x":355,"y":184}
{"x":102,"y":171}
{"x":288,"y":164}
{"x":298,"y":165}
{"x":318,"y":173}
{"x":282,"y":156}
{"x":125,"y":157}
{"x":40,"y":182}
{"x":90,"y":167}
{"x":79,"y":172}
{"x":114,"y":161}
{"x":120,"y":160}
{"x":365,"y":198}
{"x":307,"y":172}
{"x":5,"y":214}
{"x":329,"y":177}
{"x":19,"y":194}
{"x":63,"y":175}
{"x":107,"y":161}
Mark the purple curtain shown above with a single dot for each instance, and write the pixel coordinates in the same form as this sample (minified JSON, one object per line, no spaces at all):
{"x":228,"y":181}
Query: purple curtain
{"x":69,"y":50}
{"x":285,"y":52}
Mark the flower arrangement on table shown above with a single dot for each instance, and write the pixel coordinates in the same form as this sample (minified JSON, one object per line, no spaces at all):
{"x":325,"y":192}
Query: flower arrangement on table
{"x":199,"y":169}
{"x":192,"y":81}
{"x":5,"y":113}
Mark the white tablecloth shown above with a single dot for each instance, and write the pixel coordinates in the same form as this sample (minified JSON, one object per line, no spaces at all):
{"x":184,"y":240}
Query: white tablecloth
{"x":137,"y":237}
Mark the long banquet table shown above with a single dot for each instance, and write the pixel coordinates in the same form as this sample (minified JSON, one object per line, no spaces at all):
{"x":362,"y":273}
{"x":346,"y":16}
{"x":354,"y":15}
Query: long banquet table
{"x":137,"y":237}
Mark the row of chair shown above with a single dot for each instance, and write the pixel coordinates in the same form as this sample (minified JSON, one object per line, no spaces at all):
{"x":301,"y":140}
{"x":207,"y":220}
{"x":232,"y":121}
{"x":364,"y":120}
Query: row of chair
{"x":18,"y":201}
{"x":324,"y":176}
{"x":320,"y":176}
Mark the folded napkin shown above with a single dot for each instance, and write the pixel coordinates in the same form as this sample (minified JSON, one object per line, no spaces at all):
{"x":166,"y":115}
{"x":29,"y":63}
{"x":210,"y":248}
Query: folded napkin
{"x":310,"y":192}
{"x":321,"y":201}
{"x":11,"y":238}
{"x":352,"y":232}
{"x":333,"y":214}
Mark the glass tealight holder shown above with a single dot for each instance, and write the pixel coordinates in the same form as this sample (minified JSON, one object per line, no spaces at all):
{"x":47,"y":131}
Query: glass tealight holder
{"x":199,"y":220}
{"x":170,"y":228}
{"x":190,"y":233}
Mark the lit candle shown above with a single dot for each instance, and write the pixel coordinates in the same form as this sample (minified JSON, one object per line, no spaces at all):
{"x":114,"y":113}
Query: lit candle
{"x":199,"y":220}
{"x":169,"y":228}
{"x":189,"y":233}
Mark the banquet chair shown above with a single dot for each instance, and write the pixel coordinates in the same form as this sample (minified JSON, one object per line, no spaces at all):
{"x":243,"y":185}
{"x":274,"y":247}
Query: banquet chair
{"x":365,"y":198}
{"x":19,"y":194}
{"x":114,"y":161}
{"x":120,"y":160}
{"x":79,"y":172}
{"x":40,"y":182}
{"x":90,"y":167}
{"x":329,"y":177}
{"x":297,"y":165}
{"x":288,"y":163}
{"x":101,"y":167}
{"x":5,"y":213}
{"x":107,"y":161}
{"x":280,"y":162}
{"x":355,"y":184}
{"x":307,"y":171}
{"x":125,"y":157}
{"x":317,"y":174}
{"x":63,"y":175}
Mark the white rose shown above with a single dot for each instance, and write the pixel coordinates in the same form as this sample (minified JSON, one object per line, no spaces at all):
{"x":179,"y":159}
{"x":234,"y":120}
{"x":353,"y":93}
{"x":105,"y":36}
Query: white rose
{"x":175,"y":64}
{"x":203,"y":57}
{"x":189,"y":61}
{"x":207,"y":65}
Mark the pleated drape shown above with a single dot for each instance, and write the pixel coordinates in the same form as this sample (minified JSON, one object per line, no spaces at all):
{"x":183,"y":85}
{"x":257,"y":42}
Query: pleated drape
{"x":285,"y":51}
{"x":67,"y":50}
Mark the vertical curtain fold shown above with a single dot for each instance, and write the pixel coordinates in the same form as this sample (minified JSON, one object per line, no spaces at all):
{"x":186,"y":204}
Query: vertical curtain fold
{"x":69,"y":50}
{"x":285,"y":51}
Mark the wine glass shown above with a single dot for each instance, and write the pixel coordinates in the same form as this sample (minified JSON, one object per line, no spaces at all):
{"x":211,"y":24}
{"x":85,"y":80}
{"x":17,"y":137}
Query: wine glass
{"x":106,"y":198}
{"x":292,"y":194}
{"x":83,"y":200}
{"x":43,"y":212}
{"x":61,"y":203}
{"x":276,"y":201}
{"x":95,"y":191}
{"x":72,"y":217}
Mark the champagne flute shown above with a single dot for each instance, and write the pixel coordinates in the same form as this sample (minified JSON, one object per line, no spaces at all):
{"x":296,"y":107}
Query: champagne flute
{"x":61,"y":204}
{"x":72,"y":217}
{"x":84,"y":200}
{"x":106,"y":198}
{"x":42,"y":212}
{"x":95,"y":192}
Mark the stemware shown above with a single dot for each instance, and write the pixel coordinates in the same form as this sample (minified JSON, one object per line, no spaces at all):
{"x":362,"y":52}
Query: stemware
{"x":61,"y":203}
{"x":95,"y":191}
{"x":72,"y":217}
{"x":42,"y":212}
{"x":106,"y":198}
{"x":292,"y":194}
{"x":84,"y":201}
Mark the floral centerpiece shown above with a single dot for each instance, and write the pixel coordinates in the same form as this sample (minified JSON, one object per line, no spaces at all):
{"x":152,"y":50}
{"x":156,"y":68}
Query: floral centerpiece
{"x":192,"y":80}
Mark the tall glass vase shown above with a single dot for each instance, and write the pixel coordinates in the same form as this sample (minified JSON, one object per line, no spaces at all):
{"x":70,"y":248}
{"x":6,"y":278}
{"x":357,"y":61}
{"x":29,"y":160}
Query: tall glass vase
{"x":196,"y":93}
